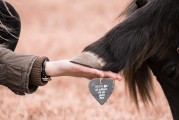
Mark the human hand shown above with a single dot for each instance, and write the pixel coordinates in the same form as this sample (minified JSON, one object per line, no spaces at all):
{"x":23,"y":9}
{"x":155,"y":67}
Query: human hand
{"x":66,"y":68}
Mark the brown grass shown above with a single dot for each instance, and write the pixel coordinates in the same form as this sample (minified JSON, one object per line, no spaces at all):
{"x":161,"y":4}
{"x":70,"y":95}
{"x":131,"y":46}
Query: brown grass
{"x":60,"y":29}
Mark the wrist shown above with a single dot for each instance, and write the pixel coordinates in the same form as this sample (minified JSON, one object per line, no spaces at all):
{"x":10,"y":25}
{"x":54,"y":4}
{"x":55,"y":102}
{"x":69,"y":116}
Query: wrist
{"x":45,"y":77}
{"x":48,"y":68}
{"x":52,"y":68}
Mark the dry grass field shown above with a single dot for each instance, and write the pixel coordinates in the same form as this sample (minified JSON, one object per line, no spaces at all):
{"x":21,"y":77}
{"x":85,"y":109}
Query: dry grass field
{"x":60,"y":29}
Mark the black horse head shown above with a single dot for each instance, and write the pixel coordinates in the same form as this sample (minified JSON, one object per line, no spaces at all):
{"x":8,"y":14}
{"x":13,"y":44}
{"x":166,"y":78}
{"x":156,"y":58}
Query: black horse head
{"x":147,"y":39}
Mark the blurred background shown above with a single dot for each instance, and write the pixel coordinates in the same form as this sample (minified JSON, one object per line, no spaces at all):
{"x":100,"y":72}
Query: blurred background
{"x":60,"y":29}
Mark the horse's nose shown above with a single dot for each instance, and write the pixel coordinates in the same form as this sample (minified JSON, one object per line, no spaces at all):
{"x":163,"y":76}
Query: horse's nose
{"x":89,"y":59}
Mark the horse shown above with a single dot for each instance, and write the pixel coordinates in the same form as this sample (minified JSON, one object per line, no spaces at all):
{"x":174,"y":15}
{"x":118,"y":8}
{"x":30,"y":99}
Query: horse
{"x":147,"y":40}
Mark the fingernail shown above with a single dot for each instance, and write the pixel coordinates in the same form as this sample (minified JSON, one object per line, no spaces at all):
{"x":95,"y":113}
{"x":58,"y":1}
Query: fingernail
{"x":102,"y":75}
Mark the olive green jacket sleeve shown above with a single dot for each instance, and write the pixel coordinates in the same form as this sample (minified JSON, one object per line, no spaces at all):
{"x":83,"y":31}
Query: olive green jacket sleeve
{"x":20,"y":73}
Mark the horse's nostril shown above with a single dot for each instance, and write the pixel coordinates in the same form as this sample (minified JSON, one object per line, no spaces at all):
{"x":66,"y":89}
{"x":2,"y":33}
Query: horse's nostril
{"x":170,"y":72}
{"x":141,"y":3}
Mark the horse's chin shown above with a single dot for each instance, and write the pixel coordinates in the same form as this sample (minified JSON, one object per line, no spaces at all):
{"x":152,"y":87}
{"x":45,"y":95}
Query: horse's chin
{"x":89,"y":59}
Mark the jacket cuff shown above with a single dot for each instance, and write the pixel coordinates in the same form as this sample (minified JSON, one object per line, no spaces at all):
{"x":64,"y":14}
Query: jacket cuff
{"x":35,"y":74}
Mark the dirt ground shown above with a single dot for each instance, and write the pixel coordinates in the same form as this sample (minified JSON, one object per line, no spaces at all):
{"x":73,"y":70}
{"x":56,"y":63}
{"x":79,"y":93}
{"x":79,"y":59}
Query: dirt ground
{"x":60,"y":29}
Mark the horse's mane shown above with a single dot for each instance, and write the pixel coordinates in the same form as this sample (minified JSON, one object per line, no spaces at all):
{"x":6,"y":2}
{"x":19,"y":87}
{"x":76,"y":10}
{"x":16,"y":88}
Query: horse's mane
{"x":136,"y":71}
{"x":145,"y":42}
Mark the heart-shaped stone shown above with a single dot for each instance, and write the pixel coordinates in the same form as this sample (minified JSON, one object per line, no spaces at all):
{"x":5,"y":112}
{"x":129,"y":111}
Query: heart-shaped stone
{"x":101,"y":89}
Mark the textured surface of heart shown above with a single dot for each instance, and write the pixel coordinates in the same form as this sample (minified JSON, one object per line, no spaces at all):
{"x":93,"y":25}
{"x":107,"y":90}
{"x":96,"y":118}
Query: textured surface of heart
{"x":101,"y":89}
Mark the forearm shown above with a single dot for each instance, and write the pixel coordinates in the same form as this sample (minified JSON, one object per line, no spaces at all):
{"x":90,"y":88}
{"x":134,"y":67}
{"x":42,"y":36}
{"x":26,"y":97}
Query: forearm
{"x":17,"y":71}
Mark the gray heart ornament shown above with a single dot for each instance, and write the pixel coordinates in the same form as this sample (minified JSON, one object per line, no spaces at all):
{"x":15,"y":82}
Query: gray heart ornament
{"x":101,"y":89}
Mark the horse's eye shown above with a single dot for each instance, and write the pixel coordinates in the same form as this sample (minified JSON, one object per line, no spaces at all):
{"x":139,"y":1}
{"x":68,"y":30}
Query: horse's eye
{"x":170,"y":72}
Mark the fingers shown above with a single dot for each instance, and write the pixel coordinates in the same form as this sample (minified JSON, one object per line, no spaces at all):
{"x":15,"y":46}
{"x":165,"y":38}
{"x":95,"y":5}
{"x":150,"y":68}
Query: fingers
{"x":93,"y":73}
{"x":112,"y":75}
{"x":87,"y":72}
{"x":101,"y":74}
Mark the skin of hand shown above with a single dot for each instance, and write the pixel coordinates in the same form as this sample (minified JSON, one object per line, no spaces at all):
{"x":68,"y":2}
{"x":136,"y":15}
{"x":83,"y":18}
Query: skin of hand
{"x":66,"y":68}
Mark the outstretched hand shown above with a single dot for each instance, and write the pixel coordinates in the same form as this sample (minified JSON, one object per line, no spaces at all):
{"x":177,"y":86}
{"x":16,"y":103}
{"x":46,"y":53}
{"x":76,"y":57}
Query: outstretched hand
{"x":66,"y":68}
